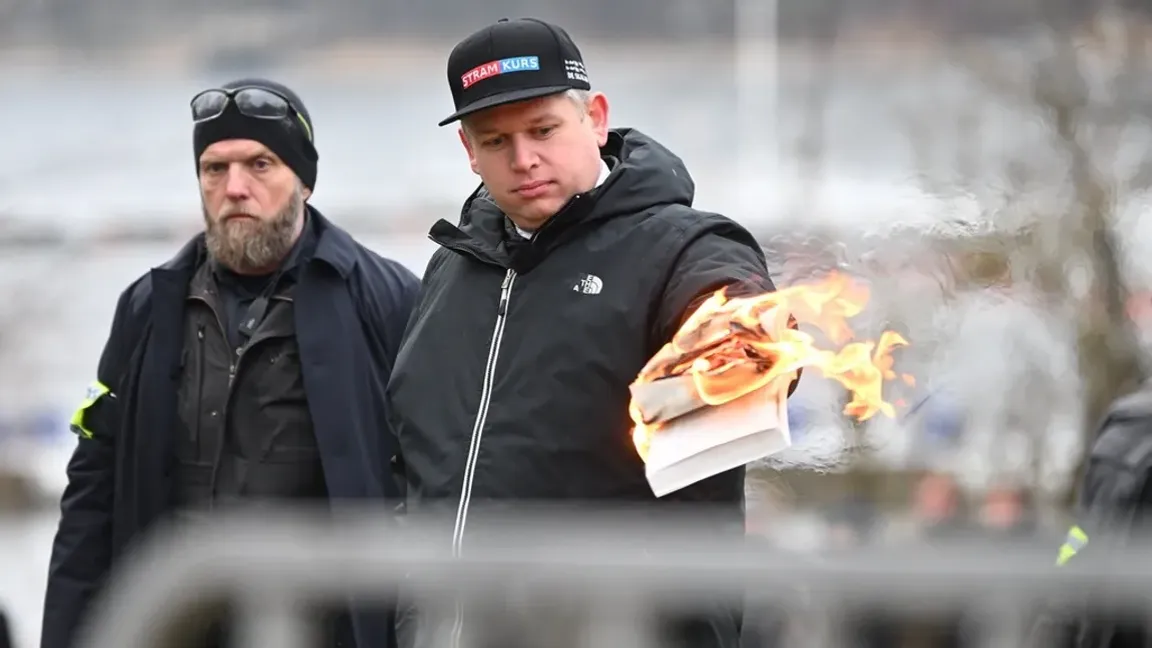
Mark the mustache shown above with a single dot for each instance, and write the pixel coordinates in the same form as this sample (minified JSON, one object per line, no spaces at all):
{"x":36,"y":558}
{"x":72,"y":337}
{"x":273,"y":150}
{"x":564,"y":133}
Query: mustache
{"x":233,"y":211}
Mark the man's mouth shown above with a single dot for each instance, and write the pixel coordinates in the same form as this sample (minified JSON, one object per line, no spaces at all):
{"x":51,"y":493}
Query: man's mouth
{"x":533,"y":189}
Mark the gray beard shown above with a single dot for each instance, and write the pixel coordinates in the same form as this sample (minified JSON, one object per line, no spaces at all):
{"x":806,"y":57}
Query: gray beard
{"x":252,"y":246}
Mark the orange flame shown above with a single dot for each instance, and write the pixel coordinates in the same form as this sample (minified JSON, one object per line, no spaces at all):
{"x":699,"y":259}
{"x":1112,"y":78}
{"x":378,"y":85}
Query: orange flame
{"x":732,"y":347}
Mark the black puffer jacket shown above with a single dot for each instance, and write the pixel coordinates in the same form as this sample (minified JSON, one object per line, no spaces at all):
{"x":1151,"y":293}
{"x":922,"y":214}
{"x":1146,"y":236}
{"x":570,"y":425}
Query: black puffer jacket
{"x":512,"y":382}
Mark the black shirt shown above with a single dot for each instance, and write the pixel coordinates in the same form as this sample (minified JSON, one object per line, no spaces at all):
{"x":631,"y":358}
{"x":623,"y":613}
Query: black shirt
{"x":238,"y":292}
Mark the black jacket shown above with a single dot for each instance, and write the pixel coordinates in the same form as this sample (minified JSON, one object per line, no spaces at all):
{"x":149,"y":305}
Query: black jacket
{"x":516,"y":364}
{"x":1115,"y":502}
{"x":352,"y":306}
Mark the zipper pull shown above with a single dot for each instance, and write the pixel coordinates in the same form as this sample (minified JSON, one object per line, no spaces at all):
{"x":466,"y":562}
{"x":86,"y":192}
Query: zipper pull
{"x":504,"y":290}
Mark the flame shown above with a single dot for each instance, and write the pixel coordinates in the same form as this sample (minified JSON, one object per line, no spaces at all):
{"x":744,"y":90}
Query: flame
{"x":734,"y":346}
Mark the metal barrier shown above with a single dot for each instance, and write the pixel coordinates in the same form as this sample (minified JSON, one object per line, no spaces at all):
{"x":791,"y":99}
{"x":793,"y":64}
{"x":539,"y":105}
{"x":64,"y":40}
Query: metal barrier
{"x":586,"y":580}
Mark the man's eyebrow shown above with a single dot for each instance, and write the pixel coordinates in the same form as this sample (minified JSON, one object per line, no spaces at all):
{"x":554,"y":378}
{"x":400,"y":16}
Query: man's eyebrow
{"x":246,"y":159}
{"x":485,"y":130}
{"x":543,"y":118}
{"x":534,"y":121}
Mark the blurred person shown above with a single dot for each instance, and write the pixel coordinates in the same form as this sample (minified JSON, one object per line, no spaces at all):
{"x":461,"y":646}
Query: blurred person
{"x":1114,"y":509}
{"x":765,"y":624}
{"x":853,"y":523}
{"x":5,"y":631}
{"x":940,"y":513}
{"x":249,"y":368}
{"x":576,"y":259}
{"x":938,"y":508}
{"x":1139,"y":310}
{"x":1006,"y":512}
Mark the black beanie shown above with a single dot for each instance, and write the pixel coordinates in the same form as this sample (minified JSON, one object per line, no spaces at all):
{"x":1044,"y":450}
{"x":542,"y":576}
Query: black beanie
{"x":288,"y":139}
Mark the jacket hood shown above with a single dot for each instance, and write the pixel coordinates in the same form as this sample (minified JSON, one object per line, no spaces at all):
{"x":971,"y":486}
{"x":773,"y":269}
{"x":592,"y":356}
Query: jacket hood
{"x":644,"y":176}
{"x":647,"y":175}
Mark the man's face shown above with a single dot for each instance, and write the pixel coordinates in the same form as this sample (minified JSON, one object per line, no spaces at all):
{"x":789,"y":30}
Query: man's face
{"x":534,"y":155}
{"x":253,"y":205}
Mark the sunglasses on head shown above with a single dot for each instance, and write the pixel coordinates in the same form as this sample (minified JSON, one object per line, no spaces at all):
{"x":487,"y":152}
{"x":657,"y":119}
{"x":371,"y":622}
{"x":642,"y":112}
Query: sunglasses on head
{"x":258,"y":103}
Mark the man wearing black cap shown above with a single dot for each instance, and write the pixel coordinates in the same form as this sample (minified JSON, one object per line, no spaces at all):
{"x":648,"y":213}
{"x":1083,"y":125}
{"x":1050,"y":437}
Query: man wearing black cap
{"x":576,"y":259}
{"x":249,"y":368}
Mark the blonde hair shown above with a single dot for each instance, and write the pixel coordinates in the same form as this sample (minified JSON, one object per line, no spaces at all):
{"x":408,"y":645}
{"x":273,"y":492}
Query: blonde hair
{"x":581,"y":98}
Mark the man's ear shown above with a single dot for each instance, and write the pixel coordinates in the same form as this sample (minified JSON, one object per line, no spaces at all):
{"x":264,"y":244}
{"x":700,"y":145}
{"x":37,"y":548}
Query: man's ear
{"x":598,"y":113}
{"x":307,"y":193}
{"x":468,"y":147}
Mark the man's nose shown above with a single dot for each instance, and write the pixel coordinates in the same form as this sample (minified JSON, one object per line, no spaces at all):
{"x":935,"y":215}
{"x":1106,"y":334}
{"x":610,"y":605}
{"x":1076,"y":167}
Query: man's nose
{"x":237,"y":184}
{"x":523,"y":155}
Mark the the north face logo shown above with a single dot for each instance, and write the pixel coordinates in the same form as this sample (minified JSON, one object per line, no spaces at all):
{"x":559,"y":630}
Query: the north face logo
{"x":589,"y":285}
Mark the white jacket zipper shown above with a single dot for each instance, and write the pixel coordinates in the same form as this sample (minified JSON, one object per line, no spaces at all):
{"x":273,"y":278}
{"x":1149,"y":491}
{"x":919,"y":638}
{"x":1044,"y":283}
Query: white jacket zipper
{"x":477,"y":432}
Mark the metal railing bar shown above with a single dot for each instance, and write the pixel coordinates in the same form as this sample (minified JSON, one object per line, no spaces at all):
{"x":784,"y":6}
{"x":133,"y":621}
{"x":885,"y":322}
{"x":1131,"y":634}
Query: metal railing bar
{"x":583,"y":556}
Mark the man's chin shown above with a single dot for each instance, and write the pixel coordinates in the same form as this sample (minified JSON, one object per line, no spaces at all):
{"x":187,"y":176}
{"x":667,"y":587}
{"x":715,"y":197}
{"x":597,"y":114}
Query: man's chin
{"x":241,"y":228}
{"x":540,"y":211}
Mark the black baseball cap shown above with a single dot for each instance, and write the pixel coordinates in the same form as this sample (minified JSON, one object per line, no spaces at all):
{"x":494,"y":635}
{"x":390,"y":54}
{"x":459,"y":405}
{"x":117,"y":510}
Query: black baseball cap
{"x":513,"y":60}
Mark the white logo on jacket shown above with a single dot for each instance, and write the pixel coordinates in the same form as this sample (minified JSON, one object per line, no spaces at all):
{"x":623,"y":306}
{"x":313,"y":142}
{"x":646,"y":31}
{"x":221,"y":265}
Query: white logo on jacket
{"x":589,"y":285}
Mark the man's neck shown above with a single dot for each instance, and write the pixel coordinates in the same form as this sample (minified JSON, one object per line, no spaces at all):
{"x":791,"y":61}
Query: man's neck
{"x":245,"y":275}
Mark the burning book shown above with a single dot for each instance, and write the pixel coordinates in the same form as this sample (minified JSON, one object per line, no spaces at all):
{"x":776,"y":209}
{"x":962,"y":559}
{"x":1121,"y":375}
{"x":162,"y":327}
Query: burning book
{"x":714,"y":397}
{"x":703,"y":440}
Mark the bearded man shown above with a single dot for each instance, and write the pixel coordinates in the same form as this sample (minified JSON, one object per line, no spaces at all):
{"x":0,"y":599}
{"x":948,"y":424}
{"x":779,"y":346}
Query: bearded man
{"x":250,"y":368}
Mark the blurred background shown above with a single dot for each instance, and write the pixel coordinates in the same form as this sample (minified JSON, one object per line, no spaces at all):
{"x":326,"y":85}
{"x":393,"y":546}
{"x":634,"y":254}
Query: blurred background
{"x":982,"y":165}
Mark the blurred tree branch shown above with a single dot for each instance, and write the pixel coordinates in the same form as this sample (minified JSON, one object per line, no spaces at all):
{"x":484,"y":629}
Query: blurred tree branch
{"x":1107,"y":350}
{"x":1075,"y":254}
{"x":1055,"y":227}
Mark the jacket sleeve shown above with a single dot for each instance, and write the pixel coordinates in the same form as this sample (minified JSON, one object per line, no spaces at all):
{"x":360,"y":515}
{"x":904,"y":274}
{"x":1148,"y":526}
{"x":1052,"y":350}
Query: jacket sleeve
{"x":82,"y":549}
{"x":387,"y":295}
{"x":725,"y":256}
{"x":1109,"y":508}
{"x":386,"y":298}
